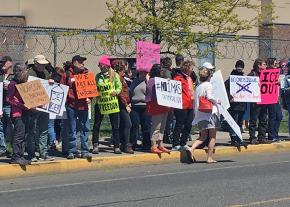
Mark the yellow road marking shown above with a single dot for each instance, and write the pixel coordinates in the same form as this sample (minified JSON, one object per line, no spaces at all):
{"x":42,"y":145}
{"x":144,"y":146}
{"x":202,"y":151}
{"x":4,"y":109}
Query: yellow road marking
{"x":277,"y":200}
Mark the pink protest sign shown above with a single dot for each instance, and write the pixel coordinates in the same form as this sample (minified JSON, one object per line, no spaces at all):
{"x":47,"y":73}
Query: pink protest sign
{"x":269,"y":86}
{"x":147,"y":55}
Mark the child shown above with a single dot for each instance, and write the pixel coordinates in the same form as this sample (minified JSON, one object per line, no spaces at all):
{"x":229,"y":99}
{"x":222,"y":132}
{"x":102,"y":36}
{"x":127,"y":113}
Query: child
{"x":18,"y":114}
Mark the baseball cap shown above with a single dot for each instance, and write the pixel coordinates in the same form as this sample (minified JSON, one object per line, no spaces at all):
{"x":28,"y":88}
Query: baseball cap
{"x":40,"y":59}
{"x":78,"y":58}
{"x":208,"y":65}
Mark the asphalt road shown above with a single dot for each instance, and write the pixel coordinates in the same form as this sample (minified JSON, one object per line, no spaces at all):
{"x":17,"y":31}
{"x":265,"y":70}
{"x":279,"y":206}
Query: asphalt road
{"x":241,"y":180}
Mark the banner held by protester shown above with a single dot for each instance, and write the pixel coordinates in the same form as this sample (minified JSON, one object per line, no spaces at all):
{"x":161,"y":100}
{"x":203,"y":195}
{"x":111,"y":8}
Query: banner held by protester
{"x":86,"y":85}
{"x":33,"y":94}
{"x":147,"y":54}
{"x":57,"y":94}
{"x":219,"y":89}
{"x":108,"y":104}
{"x":168,"y":92}
{"x":245,"y":88}
{"x":269,"y":83}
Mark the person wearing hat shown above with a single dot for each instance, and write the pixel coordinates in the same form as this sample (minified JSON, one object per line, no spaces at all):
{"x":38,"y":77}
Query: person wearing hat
{"x":6,"y":76}
{"x":207,"y":122}
{"x":208,"y":66}
{"x":237,"y":109}
{"x":37,"y":135}
{"x":103,"y":79}
{"x":77,"y":110}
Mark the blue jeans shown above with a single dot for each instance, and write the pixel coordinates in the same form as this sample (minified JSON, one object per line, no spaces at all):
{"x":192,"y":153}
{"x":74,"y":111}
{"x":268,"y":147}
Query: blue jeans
{"x":275,"y":118}
{"x":54,"y":126}
{"x":5,"y":123}
{"x":139,"y":116}
{"x":84,"y":126}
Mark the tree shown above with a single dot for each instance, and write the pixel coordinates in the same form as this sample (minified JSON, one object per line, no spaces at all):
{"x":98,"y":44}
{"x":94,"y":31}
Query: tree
{"x":175,"y":24}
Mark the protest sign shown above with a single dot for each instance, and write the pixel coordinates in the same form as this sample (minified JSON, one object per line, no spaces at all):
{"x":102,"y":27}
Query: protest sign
{"x":229,"y":119}
{"x":147,"y":55}
{"x":57,"y":94}
{"x":1,"y":96}
{"x":86,"y":85}
{"x":282,"y":81}
{"x":33,"y":94}
{"x":269,"y":83}
{"x":219,"y":89}
{"x":168,"y":92}
{"x":245,"y":88}
{"x":108,"y":104}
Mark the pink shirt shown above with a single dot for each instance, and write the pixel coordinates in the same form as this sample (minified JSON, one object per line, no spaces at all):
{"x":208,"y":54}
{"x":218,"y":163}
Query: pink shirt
{"x":14,"y":99}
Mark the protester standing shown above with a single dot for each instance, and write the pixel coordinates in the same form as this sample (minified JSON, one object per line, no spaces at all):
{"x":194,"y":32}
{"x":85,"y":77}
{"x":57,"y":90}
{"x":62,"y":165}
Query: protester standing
{"x":158,"y":113}
{"x":207,"y":122}
{"x":185,"y":115}
{"x":258,"y":111}
{"x":125,"y":108}
{"x":105,"y":77}
{"x":6,"y":76}
{"x":77,"y":110}
{"x":18,"y":114}
{"x":139,"y":115}
{"x":237,"y":109}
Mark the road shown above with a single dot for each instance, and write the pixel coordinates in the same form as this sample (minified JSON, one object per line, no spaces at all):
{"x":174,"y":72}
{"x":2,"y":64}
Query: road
{"x":236,"y":181}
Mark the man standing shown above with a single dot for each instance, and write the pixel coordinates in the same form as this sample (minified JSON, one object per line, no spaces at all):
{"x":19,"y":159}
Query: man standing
{"x":5,"y":121}
{"x":37,"y":133}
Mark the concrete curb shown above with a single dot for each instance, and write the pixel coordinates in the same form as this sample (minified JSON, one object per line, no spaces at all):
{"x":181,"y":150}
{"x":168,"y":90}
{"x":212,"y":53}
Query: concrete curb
{"x":63,"y":166}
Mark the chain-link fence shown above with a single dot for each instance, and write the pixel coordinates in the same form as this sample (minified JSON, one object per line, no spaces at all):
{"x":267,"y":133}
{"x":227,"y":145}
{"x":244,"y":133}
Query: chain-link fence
{"x":61,"y":44}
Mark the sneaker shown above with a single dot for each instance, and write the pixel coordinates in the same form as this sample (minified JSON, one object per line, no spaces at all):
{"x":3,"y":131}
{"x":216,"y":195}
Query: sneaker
{"x":117,"y":150}
{"x":46,"y":158}
{"x":129,"y":150}
{"x":264,"y":141}
{"x":185,"y":147}
{"x":19,"y":161}
{"x":254,"y":141}
{"x":25,"y":160}
{"x":87,"y":156}
{"x":70,"y":156}
{"x":34,"y":159}
{"x":95,"y":149}
{"x":176,"y":148}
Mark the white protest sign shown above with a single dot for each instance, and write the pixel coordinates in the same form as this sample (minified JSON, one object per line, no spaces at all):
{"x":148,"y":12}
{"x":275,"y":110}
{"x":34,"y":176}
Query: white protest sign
{"x":57,"y":94}
{"x":282,"y":81}
{"x":168,"y":92}
{"x":219,"y":89}
{"x":245,"y":88}
{"x":228,"y":118}
{"x":1,"y":96}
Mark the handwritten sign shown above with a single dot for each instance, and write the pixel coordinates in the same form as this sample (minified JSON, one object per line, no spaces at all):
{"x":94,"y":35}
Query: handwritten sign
{"x":245,"y":88}
{"x":108,"y":104}
{"x":33,"y":94}
{"x":229,"y":119}
{"x":168,"y":92}
{"x":86,"y":85}
{"x":57,"y":94}
{"x":219,"y":89}
{"x":269,"y":83}
{"x":147,"y":55}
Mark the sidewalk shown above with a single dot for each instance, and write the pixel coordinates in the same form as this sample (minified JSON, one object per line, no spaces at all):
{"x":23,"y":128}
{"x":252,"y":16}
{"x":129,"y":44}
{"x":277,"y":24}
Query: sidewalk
{"x":107,"y":159}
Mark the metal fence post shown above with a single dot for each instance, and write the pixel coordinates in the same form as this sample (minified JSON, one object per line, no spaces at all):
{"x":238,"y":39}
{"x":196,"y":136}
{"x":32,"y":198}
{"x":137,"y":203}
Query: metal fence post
{"x":54,"y":40}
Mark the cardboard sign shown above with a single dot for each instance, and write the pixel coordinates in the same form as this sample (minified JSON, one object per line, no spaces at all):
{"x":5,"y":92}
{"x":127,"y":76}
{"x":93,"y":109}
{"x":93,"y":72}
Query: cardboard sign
{"x":108,"y":104}
{"x":57,"y":94}
{"x":147,"y":55}
{"x":86,"y":85}
{"x":168,"y":92}
{"x":269,"y":83}
{"x":33,"y":94}
{"x":229,"y":119}
{"x":219,"y":89}
{"x":245,"y":88}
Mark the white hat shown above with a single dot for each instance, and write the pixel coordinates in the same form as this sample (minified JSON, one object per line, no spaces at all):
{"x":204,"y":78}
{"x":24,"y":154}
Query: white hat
{"x":208,"y":65}
{"x":40,"y":59}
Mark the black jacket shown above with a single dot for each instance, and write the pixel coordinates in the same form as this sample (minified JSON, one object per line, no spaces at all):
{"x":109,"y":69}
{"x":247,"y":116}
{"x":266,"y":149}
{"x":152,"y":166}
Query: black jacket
{"x":235,"y":106}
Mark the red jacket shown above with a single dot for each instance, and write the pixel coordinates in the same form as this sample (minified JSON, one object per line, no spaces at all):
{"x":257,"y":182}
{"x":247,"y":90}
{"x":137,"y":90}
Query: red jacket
{"x":187,"y":90}
{"x":72,"y":100}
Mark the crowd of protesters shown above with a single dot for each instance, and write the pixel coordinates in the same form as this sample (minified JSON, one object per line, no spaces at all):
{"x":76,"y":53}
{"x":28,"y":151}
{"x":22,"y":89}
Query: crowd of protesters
{"x":33,"y":134}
